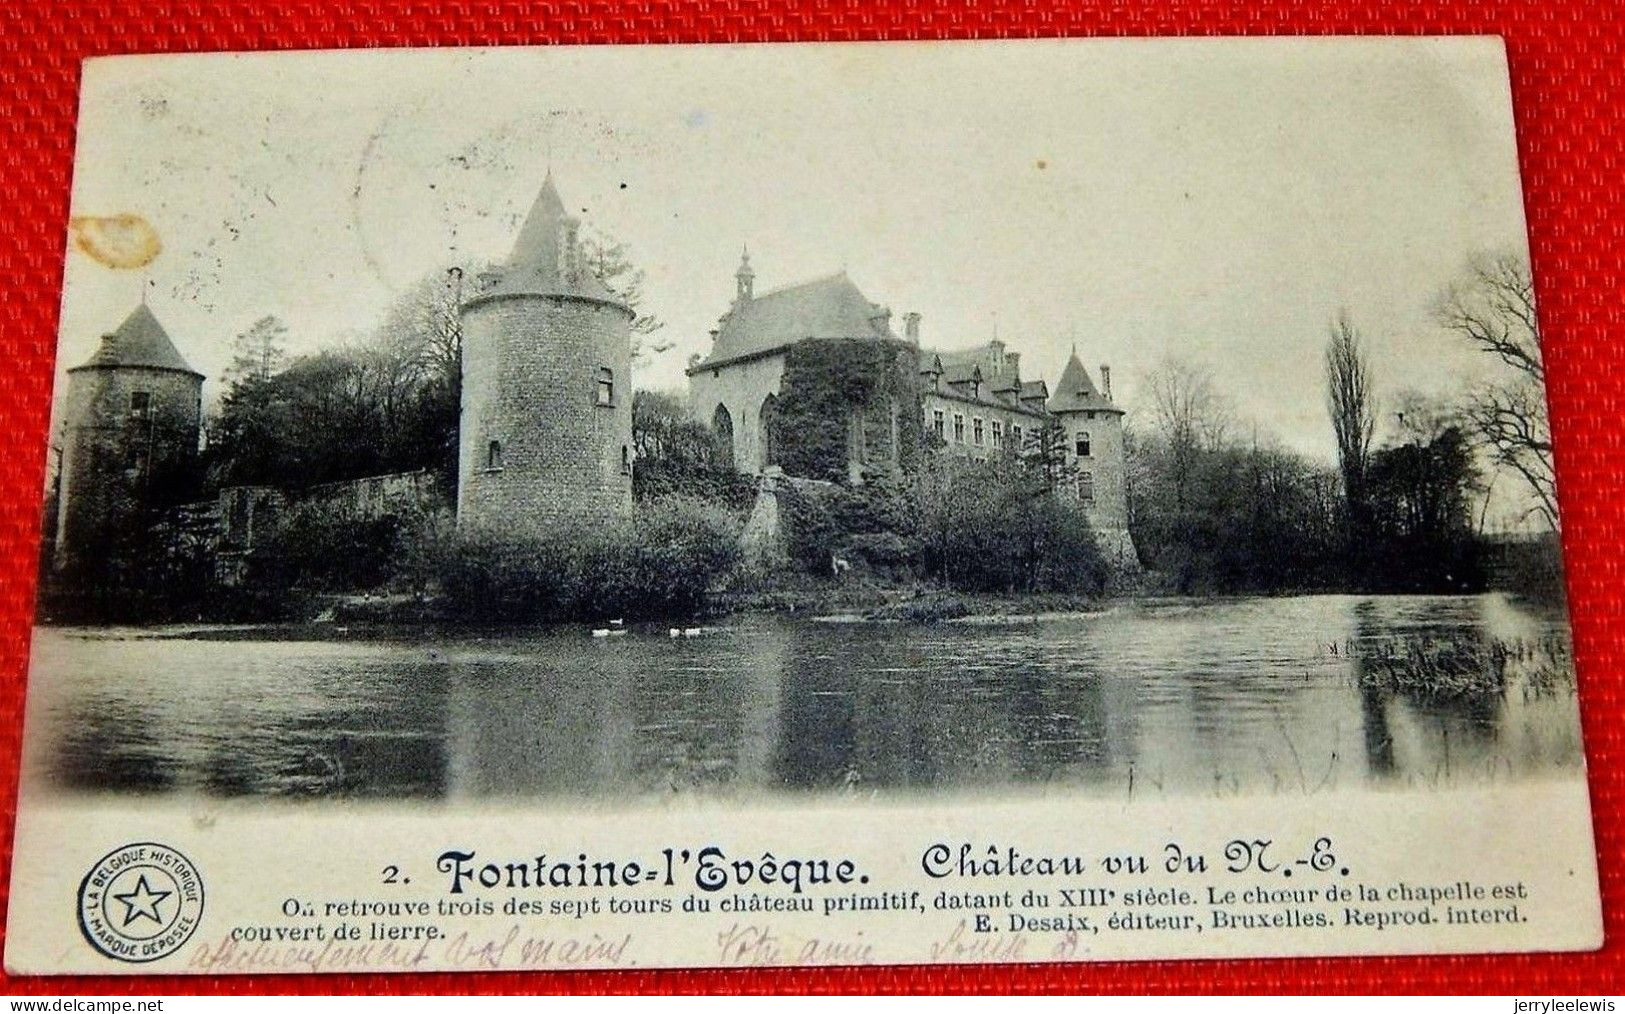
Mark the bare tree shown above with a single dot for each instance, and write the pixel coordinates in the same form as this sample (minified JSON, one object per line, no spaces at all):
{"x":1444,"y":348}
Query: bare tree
{"x":1189,"y":413}
{"x":1421,"y":418}
{"x":610,"y":260}
{"x":423,"y":329}
{"x":1493,"y":308}
{"x":1191,"y":418}
{"x":1349,"y":403}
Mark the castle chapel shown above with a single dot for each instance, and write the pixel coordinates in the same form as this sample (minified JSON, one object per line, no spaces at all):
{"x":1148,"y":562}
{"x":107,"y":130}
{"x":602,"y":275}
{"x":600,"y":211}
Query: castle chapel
{"x":974,"y":401}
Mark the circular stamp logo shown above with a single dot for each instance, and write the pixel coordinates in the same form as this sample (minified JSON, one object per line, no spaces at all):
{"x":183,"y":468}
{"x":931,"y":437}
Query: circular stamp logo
{"x":140,"y":902}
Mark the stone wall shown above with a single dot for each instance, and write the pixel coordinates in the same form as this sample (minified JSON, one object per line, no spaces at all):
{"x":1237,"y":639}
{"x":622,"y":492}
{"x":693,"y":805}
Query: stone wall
{"x":536,"y":446}
{"x":377,"y":495}
{"x":216,"y":537}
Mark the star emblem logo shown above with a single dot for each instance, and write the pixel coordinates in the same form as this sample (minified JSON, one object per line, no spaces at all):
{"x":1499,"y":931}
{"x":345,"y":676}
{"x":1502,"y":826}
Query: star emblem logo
{"x":142,"y":903}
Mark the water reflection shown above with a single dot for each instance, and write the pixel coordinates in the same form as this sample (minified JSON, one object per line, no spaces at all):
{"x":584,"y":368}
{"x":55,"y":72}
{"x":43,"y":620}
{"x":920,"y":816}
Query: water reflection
{"x":1278,"y":695}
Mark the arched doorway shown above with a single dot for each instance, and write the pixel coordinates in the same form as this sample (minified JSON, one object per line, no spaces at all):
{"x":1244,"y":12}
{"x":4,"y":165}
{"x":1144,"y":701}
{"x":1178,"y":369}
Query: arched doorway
{"x":768,"y":420}
{"x":722,"y":426}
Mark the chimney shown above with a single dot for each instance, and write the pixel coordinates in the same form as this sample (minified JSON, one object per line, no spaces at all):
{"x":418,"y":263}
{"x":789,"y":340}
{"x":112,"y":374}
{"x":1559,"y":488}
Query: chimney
{"x":911,"y":327}
{"x":569,"y":260}
{"x":1106,"y":381}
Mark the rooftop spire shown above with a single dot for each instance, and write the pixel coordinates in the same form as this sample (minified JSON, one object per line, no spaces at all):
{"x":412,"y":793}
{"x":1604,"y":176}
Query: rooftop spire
{"x":538,"y":245}
{"x":547,"y":257}
{"x":745,"y":277}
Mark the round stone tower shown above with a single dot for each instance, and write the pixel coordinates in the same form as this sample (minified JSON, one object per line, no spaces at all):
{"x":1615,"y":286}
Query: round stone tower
{"x":129,"y":441}
{"x":1096,"y":458}
{"x":546,"y":430}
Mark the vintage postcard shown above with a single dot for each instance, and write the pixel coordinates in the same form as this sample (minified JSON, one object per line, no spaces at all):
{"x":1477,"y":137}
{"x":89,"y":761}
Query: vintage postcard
{"x":799,"y":504}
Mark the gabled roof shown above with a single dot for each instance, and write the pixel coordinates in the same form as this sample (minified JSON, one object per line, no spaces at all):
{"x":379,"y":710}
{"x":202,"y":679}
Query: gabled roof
{"x":139,"y":341}
{"x":831,"y":307}
{"x":964,"y":372}
{"x":1076,"y":392}
{"x":545,"y":259}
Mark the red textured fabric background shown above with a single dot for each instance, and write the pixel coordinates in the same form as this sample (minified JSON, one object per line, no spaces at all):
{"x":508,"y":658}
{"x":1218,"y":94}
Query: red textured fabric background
{"x":1568,"y":66}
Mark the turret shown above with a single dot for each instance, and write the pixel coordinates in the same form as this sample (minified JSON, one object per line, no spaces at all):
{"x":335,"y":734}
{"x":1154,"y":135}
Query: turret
{"x":129,"y":440}
{"x":1095,"y":456}
{"x":545,"y":434}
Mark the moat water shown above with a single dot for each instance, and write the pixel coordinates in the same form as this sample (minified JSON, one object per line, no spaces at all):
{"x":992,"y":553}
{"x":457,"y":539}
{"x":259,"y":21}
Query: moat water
{"x":1222,"y":697}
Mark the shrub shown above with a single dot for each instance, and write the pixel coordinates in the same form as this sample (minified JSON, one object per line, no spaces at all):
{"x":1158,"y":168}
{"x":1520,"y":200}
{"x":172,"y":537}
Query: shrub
{"x":662,"y":561}
{"x":876,"y":522}
{"x":996,"y":527}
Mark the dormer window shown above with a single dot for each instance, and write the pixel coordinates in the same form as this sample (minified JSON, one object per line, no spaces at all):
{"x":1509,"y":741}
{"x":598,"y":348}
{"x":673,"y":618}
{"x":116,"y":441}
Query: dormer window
{"x":606,"y":386}
{"x":493,"y":456}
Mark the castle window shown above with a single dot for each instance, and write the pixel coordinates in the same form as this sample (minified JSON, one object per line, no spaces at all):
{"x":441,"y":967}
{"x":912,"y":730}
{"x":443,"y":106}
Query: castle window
{"x":936,"y":422}
{"x":626,"y":460}
{"x":1086,"y":487}
{"x":493,"y":456}
{"x":977,"y":431}
{"x":140,"y":404}
{"x":857,"y":438}
{"x":959,"y":428}
{"x":767,"y":421}
{"x":722,"y":428}
{"x":606,"y":386}
{"x":1083,"y":445}
{"x":1015,"y":436}
{"x":998,"y":433}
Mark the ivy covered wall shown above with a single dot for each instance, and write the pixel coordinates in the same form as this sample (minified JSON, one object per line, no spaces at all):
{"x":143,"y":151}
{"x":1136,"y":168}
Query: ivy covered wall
{"x":844,"y":401}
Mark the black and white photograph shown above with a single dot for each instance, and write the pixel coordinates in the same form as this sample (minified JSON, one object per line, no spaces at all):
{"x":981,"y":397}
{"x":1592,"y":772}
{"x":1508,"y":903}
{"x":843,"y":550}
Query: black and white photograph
{"x":1132,"y":428}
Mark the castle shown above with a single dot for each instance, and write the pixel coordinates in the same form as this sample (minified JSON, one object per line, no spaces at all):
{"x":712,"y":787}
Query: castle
{"x":973,"y":402}
{"x":545,"y":427}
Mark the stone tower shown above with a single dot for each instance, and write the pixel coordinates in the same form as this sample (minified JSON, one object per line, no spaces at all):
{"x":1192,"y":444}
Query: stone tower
{"x":1095,"y":456}
{"x":546,"y":429}
{"x":129,"y":440}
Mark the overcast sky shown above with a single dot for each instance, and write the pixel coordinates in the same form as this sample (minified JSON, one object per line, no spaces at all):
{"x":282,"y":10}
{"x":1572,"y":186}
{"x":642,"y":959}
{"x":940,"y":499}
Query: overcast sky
{"x":1213,"y":200}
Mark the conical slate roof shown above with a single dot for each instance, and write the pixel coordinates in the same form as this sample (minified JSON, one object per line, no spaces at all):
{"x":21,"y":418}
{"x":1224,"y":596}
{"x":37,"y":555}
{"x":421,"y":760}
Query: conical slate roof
{"x":1076,"y":392}
{"x":539,"y":239}
{"x":139,"y":341}
{"x":546,"y":259}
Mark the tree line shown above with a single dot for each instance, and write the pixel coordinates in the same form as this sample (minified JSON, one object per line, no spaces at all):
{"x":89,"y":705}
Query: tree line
{"x":1216,"y":506}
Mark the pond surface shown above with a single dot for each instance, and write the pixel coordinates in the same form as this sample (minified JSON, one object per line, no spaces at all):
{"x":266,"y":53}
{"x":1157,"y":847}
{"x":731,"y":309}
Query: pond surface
{"x":1249,"y":695}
